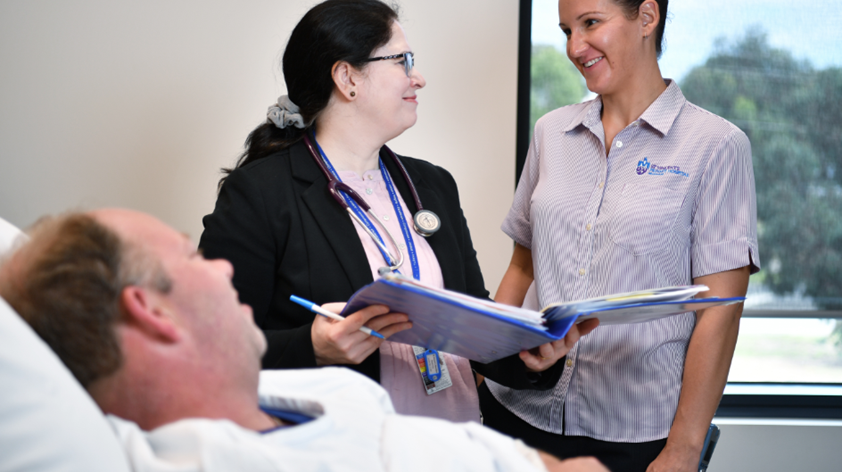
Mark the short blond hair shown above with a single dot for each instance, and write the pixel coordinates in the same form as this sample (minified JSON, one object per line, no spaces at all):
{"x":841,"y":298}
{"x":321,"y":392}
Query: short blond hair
{"x":66,"y":282}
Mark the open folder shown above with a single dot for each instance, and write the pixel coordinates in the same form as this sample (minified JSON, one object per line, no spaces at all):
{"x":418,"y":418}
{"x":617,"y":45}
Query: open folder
{"x":485,"y":331}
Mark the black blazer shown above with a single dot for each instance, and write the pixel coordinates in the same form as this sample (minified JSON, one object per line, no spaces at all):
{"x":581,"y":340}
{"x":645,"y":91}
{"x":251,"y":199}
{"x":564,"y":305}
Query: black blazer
{"x":277,"y":223}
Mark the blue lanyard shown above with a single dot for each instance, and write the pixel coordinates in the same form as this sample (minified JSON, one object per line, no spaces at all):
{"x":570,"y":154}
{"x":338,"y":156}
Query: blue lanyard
{"x":287,"y":415}
{"x":407,"y":236}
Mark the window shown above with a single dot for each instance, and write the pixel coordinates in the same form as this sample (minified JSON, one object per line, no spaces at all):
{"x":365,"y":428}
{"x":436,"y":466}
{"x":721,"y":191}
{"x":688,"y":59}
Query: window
{"x":773,"y":68}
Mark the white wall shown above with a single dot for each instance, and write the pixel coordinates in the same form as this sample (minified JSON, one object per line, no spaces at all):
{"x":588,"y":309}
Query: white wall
{"x":138,"y":104}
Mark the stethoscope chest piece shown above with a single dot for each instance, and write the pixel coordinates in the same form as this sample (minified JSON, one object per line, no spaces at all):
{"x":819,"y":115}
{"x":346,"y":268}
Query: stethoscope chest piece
{"x":426,"y":223}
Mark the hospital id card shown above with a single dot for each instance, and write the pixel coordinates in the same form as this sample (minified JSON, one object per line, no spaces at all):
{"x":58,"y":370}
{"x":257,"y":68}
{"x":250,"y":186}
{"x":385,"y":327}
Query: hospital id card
{"x":433,"y":368}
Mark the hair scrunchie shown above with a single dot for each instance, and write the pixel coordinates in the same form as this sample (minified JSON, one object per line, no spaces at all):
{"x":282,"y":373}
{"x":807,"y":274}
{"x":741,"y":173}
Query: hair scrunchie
{"x":285,"y":113}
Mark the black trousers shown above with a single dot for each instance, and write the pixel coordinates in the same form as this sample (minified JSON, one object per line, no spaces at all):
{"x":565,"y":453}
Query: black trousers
{"x":618,"y":457}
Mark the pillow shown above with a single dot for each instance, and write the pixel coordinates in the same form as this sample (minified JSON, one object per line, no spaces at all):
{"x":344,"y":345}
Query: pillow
{"x":48,"y":422}
{"x":9,"y":234}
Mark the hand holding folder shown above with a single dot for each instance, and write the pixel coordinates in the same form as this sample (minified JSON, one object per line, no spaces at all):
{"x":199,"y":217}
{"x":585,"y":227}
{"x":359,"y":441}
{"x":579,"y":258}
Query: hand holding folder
{"x":485,"y":331}
{"x":541,"y":358}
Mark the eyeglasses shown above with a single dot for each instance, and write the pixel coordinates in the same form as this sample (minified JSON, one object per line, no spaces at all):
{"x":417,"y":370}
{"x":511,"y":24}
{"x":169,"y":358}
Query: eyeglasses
{"x":408,"y":60}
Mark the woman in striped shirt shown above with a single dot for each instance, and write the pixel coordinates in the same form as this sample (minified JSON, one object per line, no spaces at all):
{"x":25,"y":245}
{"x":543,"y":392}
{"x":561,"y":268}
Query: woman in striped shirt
{"x":635,"y":189}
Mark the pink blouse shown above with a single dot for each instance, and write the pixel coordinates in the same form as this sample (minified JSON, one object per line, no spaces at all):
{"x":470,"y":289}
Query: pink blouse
{"x":399,"y":373}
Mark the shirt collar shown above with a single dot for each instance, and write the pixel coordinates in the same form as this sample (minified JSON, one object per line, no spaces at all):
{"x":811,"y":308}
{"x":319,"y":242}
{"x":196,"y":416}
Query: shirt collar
{"x":589,"y":115}
{"x":660,"y":115}
{"x":304,"y":406}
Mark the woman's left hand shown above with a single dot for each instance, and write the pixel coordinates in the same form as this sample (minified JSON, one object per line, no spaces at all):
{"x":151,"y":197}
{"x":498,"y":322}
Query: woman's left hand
{"x":541,"y":358}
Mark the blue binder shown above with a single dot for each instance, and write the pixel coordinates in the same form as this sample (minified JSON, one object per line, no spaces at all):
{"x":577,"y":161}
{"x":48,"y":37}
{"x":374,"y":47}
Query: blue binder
{"x":444,"y":321}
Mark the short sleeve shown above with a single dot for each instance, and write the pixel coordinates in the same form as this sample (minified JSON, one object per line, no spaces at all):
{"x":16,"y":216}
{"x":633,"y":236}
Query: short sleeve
{"x":724,"y":227}
{"x":517,"y":224}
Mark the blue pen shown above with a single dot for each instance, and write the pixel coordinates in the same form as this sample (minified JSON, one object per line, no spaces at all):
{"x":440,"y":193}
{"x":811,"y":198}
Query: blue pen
{"x":321,"y":311}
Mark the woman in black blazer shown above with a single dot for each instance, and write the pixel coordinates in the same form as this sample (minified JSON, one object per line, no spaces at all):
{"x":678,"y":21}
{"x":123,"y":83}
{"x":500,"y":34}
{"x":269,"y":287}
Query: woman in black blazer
{"x":351,"y":88}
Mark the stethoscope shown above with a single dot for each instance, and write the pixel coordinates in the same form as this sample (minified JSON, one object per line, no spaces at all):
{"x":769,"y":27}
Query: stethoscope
{"x":425,"y":222}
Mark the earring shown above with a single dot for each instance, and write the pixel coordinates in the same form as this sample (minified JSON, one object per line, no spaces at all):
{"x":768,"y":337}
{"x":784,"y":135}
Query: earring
{"x":353,"y":94}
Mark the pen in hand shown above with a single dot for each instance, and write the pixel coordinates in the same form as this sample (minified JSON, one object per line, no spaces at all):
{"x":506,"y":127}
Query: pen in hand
{"x":329,"y":314}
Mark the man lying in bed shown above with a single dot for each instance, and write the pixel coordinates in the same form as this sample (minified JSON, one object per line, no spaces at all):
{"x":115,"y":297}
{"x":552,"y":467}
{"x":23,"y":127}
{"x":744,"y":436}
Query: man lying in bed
{"x":157,"y":336}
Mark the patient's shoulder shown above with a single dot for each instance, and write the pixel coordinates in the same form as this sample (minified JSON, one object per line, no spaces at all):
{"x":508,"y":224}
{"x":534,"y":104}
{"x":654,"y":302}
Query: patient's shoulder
{"x":333,"y":385}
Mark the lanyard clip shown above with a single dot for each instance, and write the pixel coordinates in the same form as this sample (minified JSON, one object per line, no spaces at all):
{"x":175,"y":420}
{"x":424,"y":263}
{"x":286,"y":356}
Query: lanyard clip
{"x":431,"y":361}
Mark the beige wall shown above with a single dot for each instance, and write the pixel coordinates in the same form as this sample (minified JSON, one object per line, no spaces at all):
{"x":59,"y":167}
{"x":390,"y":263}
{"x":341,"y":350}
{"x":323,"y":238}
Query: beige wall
{"x":138,"y":104}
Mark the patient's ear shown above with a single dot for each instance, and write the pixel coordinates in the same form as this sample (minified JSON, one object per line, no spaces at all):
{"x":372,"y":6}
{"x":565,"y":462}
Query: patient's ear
{"x":148,"y":312}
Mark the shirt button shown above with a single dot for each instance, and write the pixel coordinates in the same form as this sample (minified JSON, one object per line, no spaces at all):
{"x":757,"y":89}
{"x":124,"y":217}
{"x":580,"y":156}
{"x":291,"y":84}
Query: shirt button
{"x":386,"y":218}
{"x":588,"y":227}
{"x":601,"y":184}
{"x":370,"y":177}
{"x":402,"y":246}
{"x":569,"y":362}
{"x":581,"y":271}
{"x":369,"y":191}
{"x":619,"y":144}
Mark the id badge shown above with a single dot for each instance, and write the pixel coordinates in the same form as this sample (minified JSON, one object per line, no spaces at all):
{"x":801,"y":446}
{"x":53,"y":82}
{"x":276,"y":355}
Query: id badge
{"x":433,"y":369}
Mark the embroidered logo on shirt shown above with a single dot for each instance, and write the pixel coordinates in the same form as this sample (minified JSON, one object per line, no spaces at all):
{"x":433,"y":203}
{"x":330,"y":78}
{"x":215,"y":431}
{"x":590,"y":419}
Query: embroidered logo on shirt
{"x":654,"y":169}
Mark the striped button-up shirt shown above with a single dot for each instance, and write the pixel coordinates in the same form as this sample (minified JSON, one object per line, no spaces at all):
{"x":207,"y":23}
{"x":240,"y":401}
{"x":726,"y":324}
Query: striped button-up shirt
{"x":673,"y":200}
